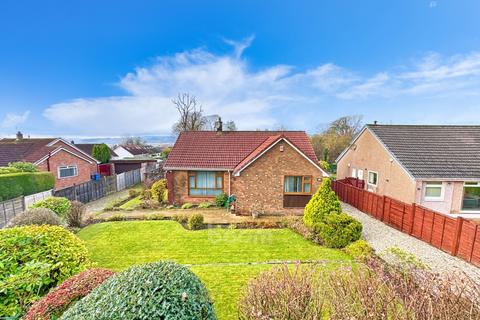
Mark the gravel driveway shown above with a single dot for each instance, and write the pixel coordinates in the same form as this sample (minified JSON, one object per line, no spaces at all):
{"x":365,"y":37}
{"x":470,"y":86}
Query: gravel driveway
{"x":381,"y":237}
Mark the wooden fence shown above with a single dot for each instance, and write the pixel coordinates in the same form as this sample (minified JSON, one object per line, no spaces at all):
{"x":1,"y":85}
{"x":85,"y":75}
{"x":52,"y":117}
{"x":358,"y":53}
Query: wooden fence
{"x":456,"y":236}
{"x":93,"y":190}
{"x":10,"y":208}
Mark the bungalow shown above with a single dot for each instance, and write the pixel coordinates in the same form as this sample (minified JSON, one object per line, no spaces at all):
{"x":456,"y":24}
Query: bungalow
{"x":69,"y":164}
{"x":131,"y":150}
{"x":269,"y":171}
{"x":436,"y":166}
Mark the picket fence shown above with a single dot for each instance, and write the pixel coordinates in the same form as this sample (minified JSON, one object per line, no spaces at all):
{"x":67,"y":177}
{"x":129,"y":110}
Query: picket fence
{"x":454,"y":235}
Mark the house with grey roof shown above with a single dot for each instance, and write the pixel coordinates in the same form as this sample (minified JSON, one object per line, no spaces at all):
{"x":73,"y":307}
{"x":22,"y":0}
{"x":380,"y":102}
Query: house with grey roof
{"x":436,"y":166}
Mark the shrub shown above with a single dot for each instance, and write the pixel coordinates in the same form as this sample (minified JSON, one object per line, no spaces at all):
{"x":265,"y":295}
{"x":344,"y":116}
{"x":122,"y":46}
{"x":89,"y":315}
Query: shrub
{"x":61,"y":206}
{"x":23,"y":166}
{"x":54,"y":304}
{"x":24,"y":183}
{"x":282,"y":293}
{"x":195,"y":222}
{"x":148,"y":204}
{"x":116,"y":217}
{"x":7,"y":170}
{"x":159,"y":189}
{"x":35,"y":259}
{"x":204,"y":205}
{"x":187,"y":205}
{"x":35,"y":216}
{"x":181,"y":218}
{"x":325,"y":165}
{"x":147,"y":194}
{"x":221,"y":200}
{"x":359,"y":249}
{"x":322,"y":203}
{"x":132,"y":193}
{"x":75,"y":214}
{"x":155,"y":216}
{"x":160,"y":290}
{"x":338,"y":230}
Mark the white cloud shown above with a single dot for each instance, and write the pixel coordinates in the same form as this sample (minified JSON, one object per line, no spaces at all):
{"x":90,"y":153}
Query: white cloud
{"x":226,"y":85}
{"x":13,"y":120}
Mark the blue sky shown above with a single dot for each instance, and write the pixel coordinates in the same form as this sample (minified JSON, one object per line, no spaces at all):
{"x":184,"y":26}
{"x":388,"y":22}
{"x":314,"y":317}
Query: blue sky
{"x":110,"y":68}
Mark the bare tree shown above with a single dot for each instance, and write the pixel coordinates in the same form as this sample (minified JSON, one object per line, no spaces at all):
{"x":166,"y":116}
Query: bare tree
{"x":131,"y":140}
{"x":191,"y":113}
{"x":230,"y":126}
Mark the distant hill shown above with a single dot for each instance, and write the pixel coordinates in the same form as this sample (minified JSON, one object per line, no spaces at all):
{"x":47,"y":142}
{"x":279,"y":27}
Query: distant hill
{"x":152,"y":139}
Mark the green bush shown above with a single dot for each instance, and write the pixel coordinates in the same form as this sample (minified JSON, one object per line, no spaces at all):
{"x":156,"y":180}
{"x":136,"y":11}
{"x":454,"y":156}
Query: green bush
{"x":7,"y":170}
{"x":322,"y":203}
{"x":160,"y":290}
{"x":147,"y":194}
{"x":338,"y":230}
{"x":35,"y":216}
{"x":180,"y":218}
{"x":359,"y":249}
{"x":325,"y":165}
{"x":204,"y":205}
{"x":116,"y":217}
{"x":187,"y":205}
{"x":34,"y":259}
{"x":61,"y":206}
{"x":195,"y":222}
{"x":221,"y":200}
{"x":101,"y":152}
{"x":24,"y":183}
{"x":23,"y":166}
{"x":159,"y":190}
{"x":155,"y":216}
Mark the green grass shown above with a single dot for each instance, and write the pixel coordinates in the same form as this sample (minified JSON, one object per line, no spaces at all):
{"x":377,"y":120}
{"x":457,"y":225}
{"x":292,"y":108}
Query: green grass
{"x":132,"y":203}
{"x":118,"y":245}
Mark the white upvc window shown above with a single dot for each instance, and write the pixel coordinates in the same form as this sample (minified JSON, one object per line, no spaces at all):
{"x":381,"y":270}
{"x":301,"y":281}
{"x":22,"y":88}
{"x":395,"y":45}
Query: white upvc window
{"x":67,"y":171}
{"x":471,"y":197}
{"x":373,"y":178}
{"x":360,"y":174}
{"x":434,"y":191}
{"x":354,"y":172}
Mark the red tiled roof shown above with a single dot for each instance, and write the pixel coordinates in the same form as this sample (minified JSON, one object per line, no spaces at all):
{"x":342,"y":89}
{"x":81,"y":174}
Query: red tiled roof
{"x":29,"y":150}
{"x":230,"y":149}
{"x":137,"y":149}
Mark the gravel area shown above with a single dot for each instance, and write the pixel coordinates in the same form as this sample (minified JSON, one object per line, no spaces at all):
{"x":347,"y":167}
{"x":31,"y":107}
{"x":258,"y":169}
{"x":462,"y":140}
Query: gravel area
{"x":381,"y":237}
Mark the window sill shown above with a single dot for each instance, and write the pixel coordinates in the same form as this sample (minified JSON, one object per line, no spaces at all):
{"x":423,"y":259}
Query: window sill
{"x":434,"y":199}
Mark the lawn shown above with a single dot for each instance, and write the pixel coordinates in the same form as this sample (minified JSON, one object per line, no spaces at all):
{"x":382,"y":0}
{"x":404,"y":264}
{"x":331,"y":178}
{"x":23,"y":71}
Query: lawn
{"x":219,"y":257}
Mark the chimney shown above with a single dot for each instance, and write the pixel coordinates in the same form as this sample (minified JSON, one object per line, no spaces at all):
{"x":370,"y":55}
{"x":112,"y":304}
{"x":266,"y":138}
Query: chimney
{"x":375,"y":122}
{"x":19,"y":136}
{"x":219,"y":125}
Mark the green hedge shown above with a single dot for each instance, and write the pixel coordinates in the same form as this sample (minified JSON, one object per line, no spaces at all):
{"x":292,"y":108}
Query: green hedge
{"x":25,"y":183}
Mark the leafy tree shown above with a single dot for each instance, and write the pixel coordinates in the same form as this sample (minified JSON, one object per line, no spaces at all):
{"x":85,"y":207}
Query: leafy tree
{"x":23,"y":166}
{"x":322,"y":203}
{"x":101,"y":152}
{"x":329,"y":143}
{"x":165,"y":152}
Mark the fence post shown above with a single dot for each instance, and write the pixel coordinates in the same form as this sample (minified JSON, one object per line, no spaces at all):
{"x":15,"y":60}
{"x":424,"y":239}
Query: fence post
{"x":473,"y":243}
{"x":456,"y":238}
{"x":383,"y":208}
{"x":414,"y":208}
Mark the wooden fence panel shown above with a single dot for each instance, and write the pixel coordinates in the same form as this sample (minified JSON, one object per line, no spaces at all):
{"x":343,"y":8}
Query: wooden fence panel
{"x":9,"y":209}
{"x":456,"y":236}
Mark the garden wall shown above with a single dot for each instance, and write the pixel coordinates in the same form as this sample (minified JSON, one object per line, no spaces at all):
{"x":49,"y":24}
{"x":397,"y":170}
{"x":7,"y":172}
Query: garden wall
{"x":454,"y":235}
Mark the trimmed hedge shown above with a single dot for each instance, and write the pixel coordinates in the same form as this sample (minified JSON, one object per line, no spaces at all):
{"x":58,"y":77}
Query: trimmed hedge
{"x":24,"y":183}
{"x":160,"y":290}
{"x":54,"y":304}
{"x":34,"y":259}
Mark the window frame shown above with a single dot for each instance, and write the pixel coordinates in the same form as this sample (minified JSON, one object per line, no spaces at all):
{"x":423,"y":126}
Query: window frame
{"x":218,"y":174}
{"x":354,"y":173}
{"x":303,"y":185}
{"x":437,"y":184}
{"x":72,"y":166}
{"x":469,"y":184}
{"x":368,"y":178}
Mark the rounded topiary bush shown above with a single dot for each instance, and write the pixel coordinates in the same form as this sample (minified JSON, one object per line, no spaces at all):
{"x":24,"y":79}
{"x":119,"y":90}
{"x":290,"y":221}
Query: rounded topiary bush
{"x":160,"y":290}
{"x":322,"y":203}
{"x":61,"y":206}
{"x":159,"y":190}
{"x":35,"y":216}
{"x":195,"y":222}
{"x":52,"y":305}
{"x":338,"y":230}
{"x":34,"y":259}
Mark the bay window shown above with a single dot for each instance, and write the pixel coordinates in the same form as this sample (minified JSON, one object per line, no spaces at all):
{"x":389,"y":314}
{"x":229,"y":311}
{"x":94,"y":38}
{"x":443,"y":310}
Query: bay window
{"x":205,"y":183}
{"x":471,"y":196}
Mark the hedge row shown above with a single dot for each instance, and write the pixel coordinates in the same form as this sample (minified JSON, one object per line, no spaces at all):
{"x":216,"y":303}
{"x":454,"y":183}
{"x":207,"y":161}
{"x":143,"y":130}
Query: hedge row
{"x":25,"y":183}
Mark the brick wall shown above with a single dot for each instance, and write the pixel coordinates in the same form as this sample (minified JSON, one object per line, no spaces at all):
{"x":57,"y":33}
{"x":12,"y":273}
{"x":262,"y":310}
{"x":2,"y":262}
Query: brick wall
{"x":262,"y":182}
{"x":63,"y":158}
{"x":180,"y":188}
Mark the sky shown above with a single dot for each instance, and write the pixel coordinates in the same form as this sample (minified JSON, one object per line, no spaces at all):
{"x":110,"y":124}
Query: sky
{"x":111,"y":68}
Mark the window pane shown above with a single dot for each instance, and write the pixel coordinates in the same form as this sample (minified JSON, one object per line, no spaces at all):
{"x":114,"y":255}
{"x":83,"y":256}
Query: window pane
{"x":191,"y":181}
{"x":219,"y":182}
{"x":471,"y":198}
{"x":372,"y":178}
{"x":434,"y":192}
{"x":68,"y":172}
{"x":293,"y":184}
{"x":307,"y":187}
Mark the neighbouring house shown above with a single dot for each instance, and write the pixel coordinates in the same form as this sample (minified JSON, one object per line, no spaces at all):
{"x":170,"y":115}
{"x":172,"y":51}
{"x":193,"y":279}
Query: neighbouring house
{"x":69,"y":164}
{"x":145,"y":164}
{"x":131,"y":150}
{"x":268,"y":171}
{"x":435,"y":166}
